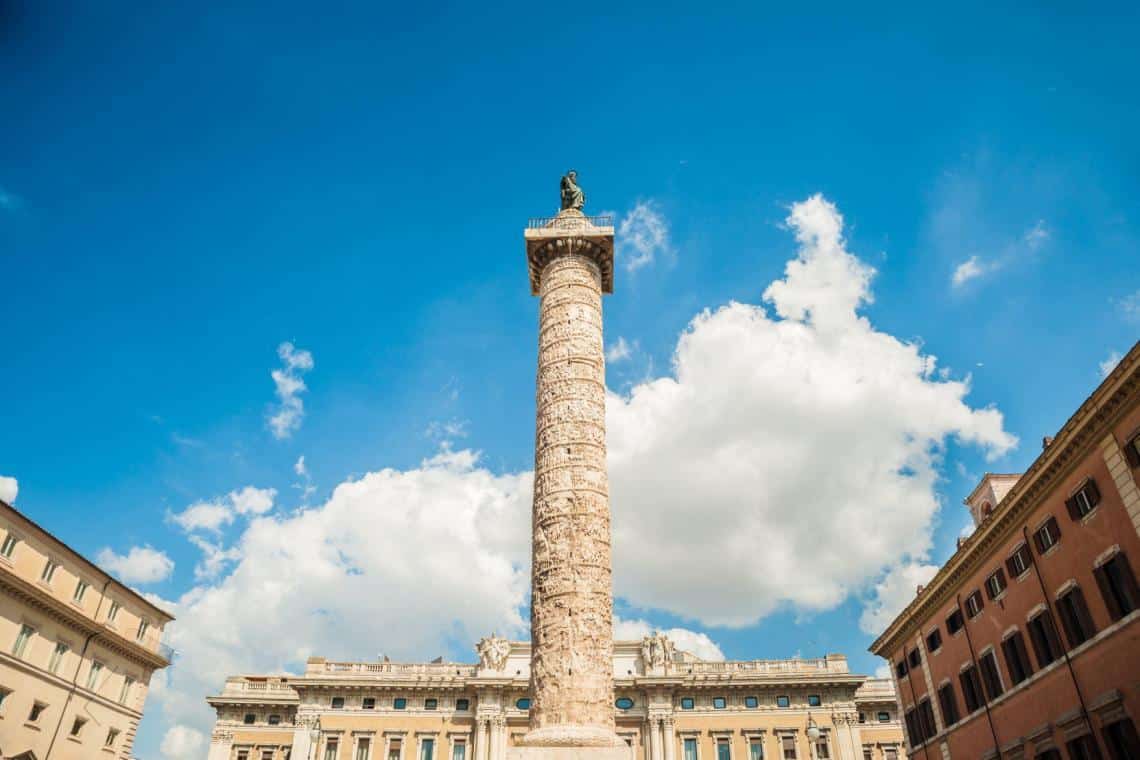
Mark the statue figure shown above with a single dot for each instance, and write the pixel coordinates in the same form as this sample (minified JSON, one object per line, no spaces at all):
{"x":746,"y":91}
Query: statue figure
{"x":572,"y":195}
{"x":493,"y":652}
{"x":657,"y":651}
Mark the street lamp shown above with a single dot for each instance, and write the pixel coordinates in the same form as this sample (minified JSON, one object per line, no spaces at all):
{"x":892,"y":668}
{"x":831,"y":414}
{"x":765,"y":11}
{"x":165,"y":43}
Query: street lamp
{"x":813,"y":732}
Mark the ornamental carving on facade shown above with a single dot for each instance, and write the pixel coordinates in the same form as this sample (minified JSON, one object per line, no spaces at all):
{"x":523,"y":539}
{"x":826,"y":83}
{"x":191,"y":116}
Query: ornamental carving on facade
{"x":493,"y":651}
{"x":657,"y":651}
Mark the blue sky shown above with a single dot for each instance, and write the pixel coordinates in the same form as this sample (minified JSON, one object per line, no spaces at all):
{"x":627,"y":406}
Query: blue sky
{"x":185,"y":188}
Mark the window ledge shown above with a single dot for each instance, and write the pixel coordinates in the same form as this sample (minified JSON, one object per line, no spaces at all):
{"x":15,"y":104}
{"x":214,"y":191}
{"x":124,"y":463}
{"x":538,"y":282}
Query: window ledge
{"x":6,"y":561}
{"x":1050,"y":550}
{"x":75,"y":739}
{"x":33,"y":726}
{"x":1087,"y":517}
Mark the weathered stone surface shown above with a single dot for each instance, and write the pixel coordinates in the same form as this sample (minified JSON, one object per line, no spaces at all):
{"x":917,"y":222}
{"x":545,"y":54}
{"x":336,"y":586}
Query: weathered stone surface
{"x":572,"y":604}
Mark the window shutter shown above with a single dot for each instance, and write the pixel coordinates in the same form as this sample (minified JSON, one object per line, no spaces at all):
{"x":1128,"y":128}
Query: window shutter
{"x":1094,"y":492}
{"x":1130,"y":587}
{"x":1131,"y":454}
{"x":1106,"y":591}
{"x":1001,"y":578}
{"x":1040,"y":543}
{"x":1012,"y":568}
{"x":1055,"y":529}
{"x":1071,"y":505}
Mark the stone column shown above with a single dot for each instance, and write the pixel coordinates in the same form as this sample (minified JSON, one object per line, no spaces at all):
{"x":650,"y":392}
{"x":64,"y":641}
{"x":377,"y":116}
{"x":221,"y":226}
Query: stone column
{"x":669,"y":740}
{"x":571,"y":263}
{"x":481,"y":738}
{"x":651,"y":743}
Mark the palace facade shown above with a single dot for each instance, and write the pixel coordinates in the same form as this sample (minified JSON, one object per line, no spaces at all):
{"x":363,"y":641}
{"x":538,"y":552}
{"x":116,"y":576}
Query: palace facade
{"x":669,"y":705}
{"x":1026,"y":643}
{"x":77,"y":650}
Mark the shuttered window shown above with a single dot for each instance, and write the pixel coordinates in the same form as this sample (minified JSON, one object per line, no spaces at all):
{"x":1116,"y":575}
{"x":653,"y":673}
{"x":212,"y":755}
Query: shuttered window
{"x":1047,"y":535}
{"x":949,"y":704}
{"x":1018,"y":562}
{"x":1118,"y":586}
{"x":995,"y":584}
{"x":971,"y":688}
{"x":1084,"y":500}
{"x":990,"y":675}
{"x":1046,"y":643}
{"x":1016,"y":658}
{"x":1075,"y":618}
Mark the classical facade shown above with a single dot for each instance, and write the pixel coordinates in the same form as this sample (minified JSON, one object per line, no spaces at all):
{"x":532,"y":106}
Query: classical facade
{"x":668,"y":705}
{"x":77,"y":649}
{"x":1026,"y":643}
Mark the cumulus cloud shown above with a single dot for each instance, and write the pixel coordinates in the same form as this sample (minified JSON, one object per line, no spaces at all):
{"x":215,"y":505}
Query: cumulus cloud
{"x":792,"y":442}
{"x":289,"y":387}
{"x":893,"y":593}
{"x":213,"y":515}
{"x":183,"y":743}
{"x":141,"y":564}
{"x":693,"y":642}
{"x":9,"y":488}
{"x":619,"y":350}
{"x":1109,"y":364}
{"x":642,"y":235}
{"x":800,"y":451}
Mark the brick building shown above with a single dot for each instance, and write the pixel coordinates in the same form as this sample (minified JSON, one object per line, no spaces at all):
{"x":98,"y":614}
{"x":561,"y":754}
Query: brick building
{"x":1026,"y":643}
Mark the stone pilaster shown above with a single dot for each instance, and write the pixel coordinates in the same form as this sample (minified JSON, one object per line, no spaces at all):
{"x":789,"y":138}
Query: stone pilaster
{"x":221,"y":743}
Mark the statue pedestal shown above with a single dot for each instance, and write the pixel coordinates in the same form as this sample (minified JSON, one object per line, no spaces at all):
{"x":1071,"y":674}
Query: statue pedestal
{"x":621,"y":752}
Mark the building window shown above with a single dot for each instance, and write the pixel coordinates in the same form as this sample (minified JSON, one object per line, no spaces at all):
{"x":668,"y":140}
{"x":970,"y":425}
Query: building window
{"x":368,"y":703}
{"x":249,"y":719}
{"x":1132,"y":451}
{"x":431,"y":704}
{"x":523,"y":704}
{"x":330,"y":748}
{"x":995,"y":584}
{"x":890,"y":753}
{"x":719,"y":703}
{"x":814,"y":700}
{"x":1016,"y":658}
{"x":49,"y":571}
{"x":974,"y":604}
{"x":913,"y":728}
{"x":822,"y":749}
{"x":1121,"y":739}
{"x":783,"y":701}
{"x":77,"y":726}
{"x":462,"y":705}
{"x":991,"y":677}
{"x":394,"y":749}
{"x":36,"y":712}
{"x":243,"y":754}
{"x":901,"y":668}
{"x":459,"y":750}
{"x":80,"y":590}
{"x":954,"y":623}
{"x":3,"y":697}
{"x":275,"y":720}
{"x":788,"y":745}
{"x":1047,"y":535}
{"x":862,"y":717}
{"x":914,"y":660}
{"x":112,"y":735}
{"x":1043,"y":634}
{"x":93,"y":675}
{"x":934,"y":640}
{"x":1118,"y":586}
{"x":883,"y":717}
{"x":57,"y":656}
{"x":1018,"y":562}
{"x":1084,"y":500}
{"x":723,"y":749}
{"x":337,"y":703}
{"x":128,"y":682}
{"x":427,"y":749}
{"x":751,"y":702}
{"x":1075,"y":617}
{"x":143,"y":626}
{"x":623,"y":703}
{"x":949,"y":704}
{"x":1083,"y":748}
{"x":399,"y":703}
{"x":755,"y":748}
{"x":867,"y":754}
{"x":971,"y":688}
{"x":687,"y":703}
{"x":690,"y":748}
{"x":113,"y":612}
{"x":9,"y":546}
{"x":22,"y":639}
{"x":362,"y":747}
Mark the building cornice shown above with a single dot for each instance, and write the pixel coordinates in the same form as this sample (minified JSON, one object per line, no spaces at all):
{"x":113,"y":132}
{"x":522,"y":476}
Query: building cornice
{"x":73,"y":618}
{"x":1080,"y":434}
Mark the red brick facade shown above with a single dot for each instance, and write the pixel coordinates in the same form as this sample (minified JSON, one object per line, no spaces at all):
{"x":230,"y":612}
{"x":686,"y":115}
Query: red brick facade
{"x":1048,"y":664}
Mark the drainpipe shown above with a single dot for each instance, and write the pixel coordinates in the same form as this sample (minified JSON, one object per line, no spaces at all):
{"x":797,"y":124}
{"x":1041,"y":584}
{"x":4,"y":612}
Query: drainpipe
{"x":914,"y":698}
{"x":978,"y":670}
{"x":1052,"y":614}
{"x":75,"y":679}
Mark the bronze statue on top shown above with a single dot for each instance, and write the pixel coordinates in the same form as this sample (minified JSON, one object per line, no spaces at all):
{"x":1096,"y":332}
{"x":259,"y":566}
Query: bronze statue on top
{"x":572,"y":195}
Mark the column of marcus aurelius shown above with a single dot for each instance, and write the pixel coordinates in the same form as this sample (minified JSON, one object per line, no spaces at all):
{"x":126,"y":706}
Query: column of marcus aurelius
{"x":570,"y":259}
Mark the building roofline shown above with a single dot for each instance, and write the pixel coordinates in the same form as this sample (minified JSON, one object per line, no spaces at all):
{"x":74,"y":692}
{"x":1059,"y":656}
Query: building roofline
{"x":1099,"y":410}
{"x":985,"y":478}
{"x":88,"y":564}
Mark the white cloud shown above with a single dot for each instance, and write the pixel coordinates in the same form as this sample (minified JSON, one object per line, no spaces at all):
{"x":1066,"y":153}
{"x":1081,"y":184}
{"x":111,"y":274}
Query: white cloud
{"x":448,"y":431}
{"x":141,"y":564}
{"x":183,"y":743}
{"x":802,"y":452}
{"x":253,"y":501}
{"x":969,"y":269}
{"x":642,"y":235}
{"x":305,"y":486}
{"x":883,"y":671}
{"x":1130,"y":306}
{"x":1037,"y":235}
{"x":686,"y":640}
{"x":9,"y":488}
{"x":1109,"y":364}
{"x":289,"y":387}
{"x":893,"y":593}
{"x":620,"y":350}
{"x":213,"y":515}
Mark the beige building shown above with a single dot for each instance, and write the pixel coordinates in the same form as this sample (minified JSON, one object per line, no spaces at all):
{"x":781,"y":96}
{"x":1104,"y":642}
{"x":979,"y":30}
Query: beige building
{"x":669,"y":705}
{"x":77,"y":649}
